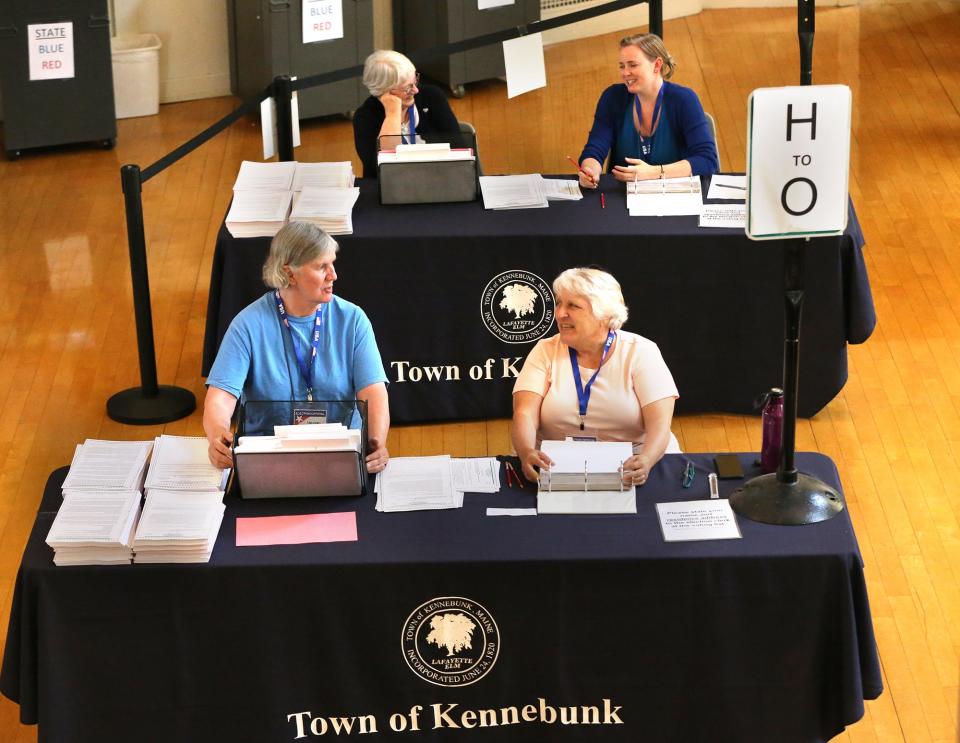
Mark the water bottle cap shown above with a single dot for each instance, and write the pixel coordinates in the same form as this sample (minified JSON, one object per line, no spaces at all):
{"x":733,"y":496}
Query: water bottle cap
{"x":776,"y":392}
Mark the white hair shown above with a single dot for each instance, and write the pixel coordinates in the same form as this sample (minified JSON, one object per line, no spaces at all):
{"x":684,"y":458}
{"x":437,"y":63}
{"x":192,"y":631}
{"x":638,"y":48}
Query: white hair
{"x":386,"y":69}
{"x":296,"y":244}
{"x":601,"y":290}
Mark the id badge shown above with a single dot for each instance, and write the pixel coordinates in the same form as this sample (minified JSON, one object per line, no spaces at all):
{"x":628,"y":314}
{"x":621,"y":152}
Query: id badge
{"x":308,"y":415}
{"x":584,"y":436}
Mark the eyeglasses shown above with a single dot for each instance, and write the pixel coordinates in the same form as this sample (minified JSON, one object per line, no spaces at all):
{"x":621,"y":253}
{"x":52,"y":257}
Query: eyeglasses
{"x":408,"y":89}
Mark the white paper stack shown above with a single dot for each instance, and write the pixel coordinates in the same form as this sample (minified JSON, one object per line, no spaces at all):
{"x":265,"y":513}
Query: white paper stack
{"x":417,"y":484}
{"x":95,"y":527}
{"x":662,"y":197}
{"x":513,"y":191}
{"x":108,"y":465}
{"x":303,"y":437}
{"x":323,"y":175}
{"x":562,"y":189}
{"x":254,"y":176}
{"x":476,"y":475}
{"x":258,"y":213}
{"x":181,"y":463}
{"x":422,"y":152}
{"x":178,"y":526}
{"x":331,"y":209}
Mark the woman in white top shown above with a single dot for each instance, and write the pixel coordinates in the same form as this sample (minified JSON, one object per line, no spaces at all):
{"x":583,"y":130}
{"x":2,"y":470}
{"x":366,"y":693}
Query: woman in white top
{"x":594,"y":380}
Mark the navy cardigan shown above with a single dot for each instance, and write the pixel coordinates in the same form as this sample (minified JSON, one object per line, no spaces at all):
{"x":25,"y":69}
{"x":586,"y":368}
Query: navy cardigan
{"x":682,"y":108}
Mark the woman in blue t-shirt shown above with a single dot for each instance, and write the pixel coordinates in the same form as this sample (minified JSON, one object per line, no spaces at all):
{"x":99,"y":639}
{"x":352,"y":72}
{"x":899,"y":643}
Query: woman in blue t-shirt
{"x":650,"y":128}
{"x":298,"y":342}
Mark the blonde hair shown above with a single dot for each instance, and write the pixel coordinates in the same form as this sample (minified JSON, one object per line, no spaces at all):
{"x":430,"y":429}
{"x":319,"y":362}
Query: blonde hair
{"x":601,"y":290}
{"x":386,"y":69}
{"x":653,"y":47}
{"x":296,"y":244}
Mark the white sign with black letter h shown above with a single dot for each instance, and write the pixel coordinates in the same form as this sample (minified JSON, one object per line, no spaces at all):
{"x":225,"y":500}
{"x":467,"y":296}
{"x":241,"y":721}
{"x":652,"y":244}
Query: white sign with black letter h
{"x":798,"y":161}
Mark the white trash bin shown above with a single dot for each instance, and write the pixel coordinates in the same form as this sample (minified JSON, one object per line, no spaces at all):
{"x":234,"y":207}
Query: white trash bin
{"x":136,"y":74}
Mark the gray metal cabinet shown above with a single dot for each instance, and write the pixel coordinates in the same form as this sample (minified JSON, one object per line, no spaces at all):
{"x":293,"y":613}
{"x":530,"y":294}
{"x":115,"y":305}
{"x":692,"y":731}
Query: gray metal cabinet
{"x":266,"y":40}
{"x":422,"y":24}
{"x":39,"y":113}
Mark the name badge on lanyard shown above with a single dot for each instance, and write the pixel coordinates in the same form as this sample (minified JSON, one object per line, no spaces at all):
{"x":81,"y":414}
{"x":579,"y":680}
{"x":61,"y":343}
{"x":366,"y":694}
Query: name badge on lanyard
{"x":583,"y":392}
{"x":306,"y":369}
{"x":646,"y":143}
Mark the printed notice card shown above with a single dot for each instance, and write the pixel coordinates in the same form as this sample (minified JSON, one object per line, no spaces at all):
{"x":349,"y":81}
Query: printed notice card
{"x":697,"y":520}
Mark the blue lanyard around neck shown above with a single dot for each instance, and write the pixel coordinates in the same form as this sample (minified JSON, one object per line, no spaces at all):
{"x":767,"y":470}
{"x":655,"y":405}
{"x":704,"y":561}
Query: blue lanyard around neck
{"x":646,"y":143}
{"x":412,"y":120}
{"x":583,"y":392}
{"x":306,"y":370}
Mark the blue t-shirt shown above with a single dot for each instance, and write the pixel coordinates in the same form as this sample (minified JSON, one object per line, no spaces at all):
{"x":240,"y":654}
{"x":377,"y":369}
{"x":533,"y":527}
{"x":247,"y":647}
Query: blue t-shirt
{"x":256,"y":360}
{"x":665,"y":147}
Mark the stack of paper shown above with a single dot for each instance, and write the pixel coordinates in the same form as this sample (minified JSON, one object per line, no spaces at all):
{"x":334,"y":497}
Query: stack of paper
{"x":417,"y":484}
{"x":331,"y":209}
{"x":178,"y":526}
{"x":108,"y":465}
{"x":562,"y":189}
{"x":323,"y":175}
{"x":303,"y":437}
{"x":181,"y":463}
{"x":95,"y":527}
{"x":258,"y":213}
{"x":513,"y":191}
{"x":421,"y":152}
{"x":255,"y":176}
{"x":476,"y":475}
{"x":663,"y":197}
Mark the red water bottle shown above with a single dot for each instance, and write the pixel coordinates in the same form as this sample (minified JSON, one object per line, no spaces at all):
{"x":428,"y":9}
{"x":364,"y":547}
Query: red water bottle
{"x":772,"y":402}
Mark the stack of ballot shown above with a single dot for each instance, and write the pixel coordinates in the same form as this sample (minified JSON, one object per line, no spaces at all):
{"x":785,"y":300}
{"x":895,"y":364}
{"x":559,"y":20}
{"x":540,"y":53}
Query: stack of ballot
{"x":178,"y":526}
{"x":323,"y":175}
{"x":331,"y":209}
{"x":422,"y":152}
{"x":303,"y":437}
{"x":661,"y":197}
{"x":95,"y":527}
{"x":99,"y":465}
{"x":513,"y":191}
{"x":182,"y":463}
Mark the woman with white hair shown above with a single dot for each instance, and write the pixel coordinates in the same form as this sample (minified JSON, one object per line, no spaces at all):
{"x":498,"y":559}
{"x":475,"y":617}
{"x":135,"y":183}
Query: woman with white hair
{"x":298,"y":342}
{"x":399,"y":108}
{"x":594,"y":380}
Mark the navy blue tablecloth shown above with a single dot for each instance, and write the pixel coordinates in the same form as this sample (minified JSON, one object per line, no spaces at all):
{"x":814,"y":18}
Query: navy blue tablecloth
{"x":765,"y":638}
{"x":428,"y":277}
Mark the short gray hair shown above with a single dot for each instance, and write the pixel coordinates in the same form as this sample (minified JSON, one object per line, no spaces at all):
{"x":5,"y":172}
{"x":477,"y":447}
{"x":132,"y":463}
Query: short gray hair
{"x":652,"y":46}
{"x":296,"y":244}
{"x":384,"y":70}
{"x":601,"y":290}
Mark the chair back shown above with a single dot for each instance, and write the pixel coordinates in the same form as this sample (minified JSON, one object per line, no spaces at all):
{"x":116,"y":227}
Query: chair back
{"x":713,"y":132}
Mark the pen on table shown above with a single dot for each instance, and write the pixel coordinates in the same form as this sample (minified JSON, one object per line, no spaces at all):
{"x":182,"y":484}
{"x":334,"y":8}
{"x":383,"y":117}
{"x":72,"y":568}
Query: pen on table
{"x":727,"y":185}
{"x":603,"y":202}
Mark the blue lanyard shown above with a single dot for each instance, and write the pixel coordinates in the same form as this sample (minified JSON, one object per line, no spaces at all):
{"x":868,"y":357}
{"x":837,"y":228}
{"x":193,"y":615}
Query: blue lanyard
{"x":646,"y":143}
{"x":412,"y":120}
{"x":306,"y":370}
{"x":583,"y":393}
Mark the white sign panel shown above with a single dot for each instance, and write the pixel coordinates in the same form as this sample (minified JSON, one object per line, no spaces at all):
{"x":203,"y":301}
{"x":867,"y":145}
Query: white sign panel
{"x":322,"y":20}
{"x":798,"y":161}
{"x":50,"y":50}
{"x":523,"y":61}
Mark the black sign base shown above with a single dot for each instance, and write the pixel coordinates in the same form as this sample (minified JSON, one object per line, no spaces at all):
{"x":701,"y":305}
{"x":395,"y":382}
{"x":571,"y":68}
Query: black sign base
{"x":133,"y":406}
{"x":768,"y":500}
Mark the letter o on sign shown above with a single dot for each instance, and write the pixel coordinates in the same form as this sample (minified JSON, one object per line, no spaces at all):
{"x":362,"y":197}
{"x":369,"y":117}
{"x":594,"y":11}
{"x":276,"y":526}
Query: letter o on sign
{"x":813,"y":196}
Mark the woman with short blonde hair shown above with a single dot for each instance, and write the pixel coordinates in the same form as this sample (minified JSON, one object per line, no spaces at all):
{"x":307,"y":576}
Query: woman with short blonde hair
{"x":594,"y":379}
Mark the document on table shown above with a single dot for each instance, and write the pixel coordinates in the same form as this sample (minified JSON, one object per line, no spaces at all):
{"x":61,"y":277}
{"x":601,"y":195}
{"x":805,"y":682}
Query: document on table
{"x":476,"y":475}
{"x":181,"y":463}
{"x":418,"y":484}
{"x":254,"y":176}
{"x":323,"y":175}
{"x":728,"y":187}
{"x":724,"y":215}
{"x":562,"y":189}
{"x":108,"y":465}
{"x":513,"y":191}
{"x":698,"y":520}
{"x":511,"y":512}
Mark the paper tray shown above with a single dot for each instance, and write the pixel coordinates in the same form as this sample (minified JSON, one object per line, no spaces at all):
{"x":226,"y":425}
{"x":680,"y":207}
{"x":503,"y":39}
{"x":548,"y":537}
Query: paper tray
{"x":428,"y":182}
{"x":299,"y":474}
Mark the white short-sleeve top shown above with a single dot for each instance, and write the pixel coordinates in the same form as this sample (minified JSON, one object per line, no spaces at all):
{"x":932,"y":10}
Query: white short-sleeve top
{"x":633,"y":375}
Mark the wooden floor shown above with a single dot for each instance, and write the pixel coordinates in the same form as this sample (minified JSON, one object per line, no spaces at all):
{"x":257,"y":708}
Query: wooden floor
{"x":67,"y":338}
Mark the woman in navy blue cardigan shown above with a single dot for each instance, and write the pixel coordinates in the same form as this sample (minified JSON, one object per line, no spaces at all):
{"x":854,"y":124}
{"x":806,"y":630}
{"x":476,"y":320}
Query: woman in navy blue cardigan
{"x":649,"y":127}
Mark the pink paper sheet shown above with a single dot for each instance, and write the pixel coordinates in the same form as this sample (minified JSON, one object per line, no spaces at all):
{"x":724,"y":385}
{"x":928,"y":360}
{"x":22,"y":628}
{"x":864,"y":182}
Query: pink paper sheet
{"x":307,"y":529}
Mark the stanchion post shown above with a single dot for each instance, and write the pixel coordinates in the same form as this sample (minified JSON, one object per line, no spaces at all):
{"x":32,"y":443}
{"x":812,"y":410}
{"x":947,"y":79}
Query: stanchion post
{"x":282,"y":96}
{"x":805,"y":31}
{"x":656,"y":16}
{"x":149,"y":403}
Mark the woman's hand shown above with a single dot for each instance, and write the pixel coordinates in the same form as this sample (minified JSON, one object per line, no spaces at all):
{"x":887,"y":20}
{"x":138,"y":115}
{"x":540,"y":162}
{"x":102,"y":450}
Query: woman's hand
{"x":218,"y":448}
{"x":636,"y":470}
{"x":378,"y":457}
{"x":391,"y":104}
{"x":637,"y":170}
{"x":534,"y":458}
{"x":590,"y":173}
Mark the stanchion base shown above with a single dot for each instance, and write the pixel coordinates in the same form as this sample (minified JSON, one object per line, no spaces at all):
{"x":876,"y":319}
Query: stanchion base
{"x":769,"y":501}
{"x":134,"y":407}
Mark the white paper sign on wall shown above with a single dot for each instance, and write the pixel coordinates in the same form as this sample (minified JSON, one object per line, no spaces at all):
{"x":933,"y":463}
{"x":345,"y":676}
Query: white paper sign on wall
{"x":322,"y":20}
{"x":50,"y":50}
{"x":798,"y":161}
